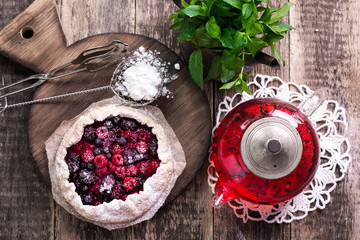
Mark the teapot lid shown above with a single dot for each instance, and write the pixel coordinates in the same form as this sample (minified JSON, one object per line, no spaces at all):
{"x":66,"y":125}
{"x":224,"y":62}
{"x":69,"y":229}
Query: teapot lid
{"x":271,"y":147}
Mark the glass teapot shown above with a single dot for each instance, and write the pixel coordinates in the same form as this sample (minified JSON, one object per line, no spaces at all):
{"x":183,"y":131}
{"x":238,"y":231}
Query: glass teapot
{"x":265,"y":151}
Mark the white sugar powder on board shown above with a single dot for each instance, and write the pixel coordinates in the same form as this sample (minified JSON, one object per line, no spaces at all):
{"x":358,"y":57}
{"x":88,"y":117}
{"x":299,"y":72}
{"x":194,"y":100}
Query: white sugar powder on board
{"x":142,"y":81}
{"x":143,"y":76}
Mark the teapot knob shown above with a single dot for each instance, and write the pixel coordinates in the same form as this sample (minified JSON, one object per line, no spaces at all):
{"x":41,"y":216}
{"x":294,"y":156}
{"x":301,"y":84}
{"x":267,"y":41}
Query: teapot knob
{"x":274,"y":146}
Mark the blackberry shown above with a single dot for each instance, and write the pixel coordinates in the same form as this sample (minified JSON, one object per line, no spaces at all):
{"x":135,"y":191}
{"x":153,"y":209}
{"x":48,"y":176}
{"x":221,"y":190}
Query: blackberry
{"x":88,"y":198}
{"x":127,"y":123}
{"x":89,"y":134}
{"x":116,"y":120}
{"x":87,"y":177}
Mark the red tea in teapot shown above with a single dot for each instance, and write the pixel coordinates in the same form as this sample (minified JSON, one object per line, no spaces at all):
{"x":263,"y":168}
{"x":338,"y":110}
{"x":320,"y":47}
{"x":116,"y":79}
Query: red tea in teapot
{"x":265,"y":151}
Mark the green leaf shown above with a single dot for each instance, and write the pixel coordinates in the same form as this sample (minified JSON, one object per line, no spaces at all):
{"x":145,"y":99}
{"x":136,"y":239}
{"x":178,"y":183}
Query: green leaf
{"x":281,"y":13}
{"x":226,"y":74}
{"x":280,"y":27}
{"x":194,"y":10}
{"x":255,"y":44}
{"x":226,"y":38}
{"x":173,"y":16}
{"x":240,"y":41}
{"x":248,"y":22}
{"x":212,"y":28}
{"x":184,"y":3}
{"x":209,"y":4}
{"x":254,"y":29}
{"x":215,"y":69}
{"x":247,"y":10}
{"x":233,"y":63}
{"x":188,"y":30}
{"x":177,"y":23}
{"x":228,"y":85}
{"x":276,"y":53}
{"x":196,"y":67}
{"x":235,"y":3}
{"x":203,"y":39}
{"x":267,"y":14}
{"x":270,"y":38}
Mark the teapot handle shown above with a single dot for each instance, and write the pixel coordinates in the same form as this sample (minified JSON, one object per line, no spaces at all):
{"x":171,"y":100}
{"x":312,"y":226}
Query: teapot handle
{"x":312,"y":103}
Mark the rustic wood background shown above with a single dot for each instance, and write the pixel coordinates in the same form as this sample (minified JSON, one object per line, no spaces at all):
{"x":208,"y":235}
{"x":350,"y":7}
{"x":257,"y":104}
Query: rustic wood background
{"x":327,"y":58}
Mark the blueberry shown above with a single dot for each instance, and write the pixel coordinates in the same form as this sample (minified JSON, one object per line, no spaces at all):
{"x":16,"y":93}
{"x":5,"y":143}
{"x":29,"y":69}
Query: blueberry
{"x":88,"y":199}
{"x":106,"y":149}
{"x":108,"y":156}
{"x":108,"y":124}
{"x":122,"y":141}
{"x":99,"y":141}
{"x":83,"y":165}
{"x":97,"y":151}
{"x":90,"y":166}
{"x":84,"y":188}
{"x":116,"y":120}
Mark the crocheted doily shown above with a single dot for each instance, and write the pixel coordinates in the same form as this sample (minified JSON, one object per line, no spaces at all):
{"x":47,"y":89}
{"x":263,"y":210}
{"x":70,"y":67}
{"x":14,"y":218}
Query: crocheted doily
{"x":330,"y":123}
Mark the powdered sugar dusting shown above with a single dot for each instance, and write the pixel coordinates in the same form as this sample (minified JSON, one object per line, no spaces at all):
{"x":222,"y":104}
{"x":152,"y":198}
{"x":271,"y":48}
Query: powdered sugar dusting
{"x":143,"y":75}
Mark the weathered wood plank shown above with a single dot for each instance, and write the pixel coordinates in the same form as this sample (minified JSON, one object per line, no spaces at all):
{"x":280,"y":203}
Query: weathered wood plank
{"x":327,"y":58}
{"x":26,"y":206}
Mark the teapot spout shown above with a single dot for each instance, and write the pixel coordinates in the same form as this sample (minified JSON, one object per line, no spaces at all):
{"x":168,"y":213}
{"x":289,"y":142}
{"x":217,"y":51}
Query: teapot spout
{"x":223,"y":194}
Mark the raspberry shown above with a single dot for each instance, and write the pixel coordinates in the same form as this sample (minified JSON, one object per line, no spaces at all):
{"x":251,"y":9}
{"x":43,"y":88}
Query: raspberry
{"x":141,"y":147}
{"x":100,"y":161}
{"x":132,"y":170}
{"x":87,"y":155}
{"x":101,"y":172}
{"x":143,"y":134}
{"x":102,"y":132}
{"x":155,"y":164}
{"x":112,"y":167}
{"x":87,"y":145}
{"x":77,"y":147}
{"x":116,"y":149}
{"x":130,"y":183}
{"x":145,"y":168}
{"x":130,"y":136}
{"x":120,"y":172}
{"x":117,"y":159}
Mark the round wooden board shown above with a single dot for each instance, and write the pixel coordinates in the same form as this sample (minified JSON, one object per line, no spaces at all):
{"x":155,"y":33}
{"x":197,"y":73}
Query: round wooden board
{"x":188,"y":112}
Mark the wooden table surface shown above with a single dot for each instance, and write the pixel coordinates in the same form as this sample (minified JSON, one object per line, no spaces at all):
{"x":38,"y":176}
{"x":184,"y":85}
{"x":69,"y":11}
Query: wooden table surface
{"x":323,"y":52}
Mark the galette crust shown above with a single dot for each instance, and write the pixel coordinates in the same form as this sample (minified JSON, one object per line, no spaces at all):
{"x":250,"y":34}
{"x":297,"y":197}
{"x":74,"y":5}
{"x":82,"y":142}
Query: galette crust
{"x":136,"y":205}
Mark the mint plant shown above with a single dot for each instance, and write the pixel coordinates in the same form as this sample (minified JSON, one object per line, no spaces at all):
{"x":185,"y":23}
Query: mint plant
{"x":234,"y":29}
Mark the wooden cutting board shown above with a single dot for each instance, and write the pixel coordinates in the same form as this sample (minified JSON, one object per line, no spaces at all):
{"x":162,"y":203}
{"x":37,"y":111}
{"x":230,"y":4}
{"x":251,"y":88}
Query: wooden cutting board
{"x":35,"y":39}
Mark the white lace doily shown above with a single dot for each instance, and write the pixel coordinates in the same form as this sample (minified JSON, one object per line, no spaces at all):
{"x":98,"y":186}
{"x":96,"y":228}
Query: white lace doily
{"x":330,"y":123}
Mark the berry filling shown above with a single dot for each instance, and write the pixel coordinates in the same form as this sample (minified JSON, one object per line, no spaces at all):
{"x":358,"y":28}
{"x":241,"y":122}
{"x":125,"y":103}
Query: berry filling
{"x":112,"y":160}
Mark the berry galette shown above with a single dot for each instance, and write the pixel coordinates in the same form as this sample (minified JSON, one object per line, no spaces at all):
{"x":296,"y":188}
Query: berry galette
{"x":114,"y":164}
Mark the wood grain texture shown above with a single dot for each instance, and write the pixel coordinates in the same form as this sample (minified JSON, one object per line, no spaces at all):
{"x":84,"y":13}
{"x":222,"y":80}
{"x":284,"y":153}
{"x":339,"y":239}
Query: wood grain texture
{"x":26,"y":207}
{"x":328,"y":58}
